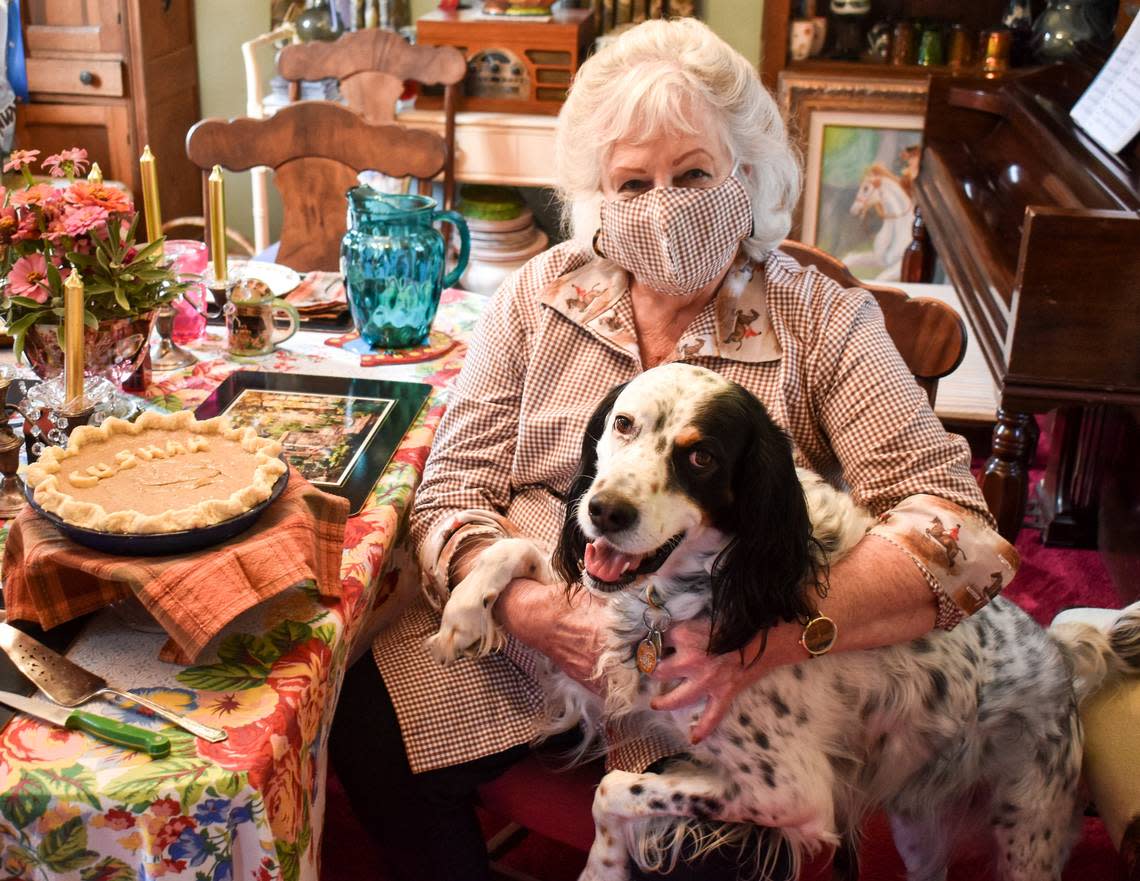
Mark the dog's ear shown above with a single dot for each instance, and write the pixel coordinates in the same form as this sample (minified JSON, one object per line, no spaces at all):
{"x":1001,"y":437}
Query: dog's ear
{"x":763,"y":575}
{"x":572,"y":543}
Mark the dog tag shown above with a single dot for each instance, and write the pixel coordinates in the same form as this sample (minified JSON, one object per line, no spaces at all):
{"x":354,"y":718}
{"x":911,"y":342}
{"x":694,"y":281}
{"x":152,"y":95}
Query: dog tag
{"x":649,"y":652}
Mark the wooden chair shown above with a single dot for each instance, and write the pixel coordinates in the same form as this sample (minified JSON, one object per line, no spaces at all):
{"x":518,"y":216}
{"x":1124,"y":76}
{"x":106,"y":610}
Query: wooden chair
{"x":316,"y":149}
{"x":170,"y":228}
{"x":930,"y":336}
{"x":371,"y":67}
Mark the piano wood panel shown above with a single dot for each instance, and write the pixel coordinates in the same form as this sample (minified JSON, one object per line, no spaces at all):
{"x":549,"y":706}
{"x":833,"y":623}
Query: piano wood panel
{"x":1039,"y":230}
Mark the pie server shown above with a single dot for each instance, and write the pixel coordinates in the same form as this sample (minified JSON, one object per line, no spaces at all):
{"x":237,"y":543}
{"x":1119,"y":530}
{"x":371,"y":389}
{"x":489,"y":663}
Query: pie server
{"x":155,"y":745}
{"x":68,"y":684}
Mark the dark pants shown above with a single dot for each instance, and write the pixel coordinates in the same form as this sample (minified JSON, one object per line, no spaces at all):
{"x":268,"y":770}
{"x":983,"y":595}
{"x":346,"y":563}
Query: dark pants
{"x":426,"y":823}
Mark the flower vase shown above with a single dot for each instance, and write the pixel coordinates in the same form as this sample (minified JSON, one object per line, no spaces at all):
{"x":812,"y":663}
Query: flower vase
{"x":114,"y":349}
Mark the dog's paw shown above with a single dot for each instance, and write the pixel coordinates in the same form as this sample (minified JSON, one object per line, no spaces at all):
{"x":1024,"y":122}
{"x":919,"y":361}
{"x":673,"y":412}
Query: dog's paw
{"x":464,"y":632}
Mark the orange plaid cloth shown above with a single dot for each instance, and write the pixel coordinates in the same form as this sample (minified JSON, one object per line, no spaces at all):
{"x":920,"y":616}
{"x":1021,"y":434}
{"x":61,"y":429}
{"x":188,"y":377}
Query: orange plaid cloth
{"x":48,"y":579}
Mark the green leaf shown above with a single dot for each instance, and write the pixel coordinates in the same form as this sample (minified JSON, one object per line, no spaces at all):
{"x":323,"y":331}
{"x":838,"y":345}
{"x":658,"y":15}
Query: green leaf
{"x":89,"y":320}
{"x":151,"y":251}
{"x":243,"y":648}
{"x":108,"y":869}
{"x":65,"y":847}
{"x":24,"y":802}
{"x":55,"y":280}
{"x":25,"y":302}
{"x":290,"y":861}
{"x":288,"y":634}
{"x":326,"y":633}
{"x":224,"y":677}
{"x":146,"y":782}
{"x":229,"y":785}
{"x":82,"y":261}
{"x":170,"y":403}
{"x":121,"y":299}
{"x":69,"y":784}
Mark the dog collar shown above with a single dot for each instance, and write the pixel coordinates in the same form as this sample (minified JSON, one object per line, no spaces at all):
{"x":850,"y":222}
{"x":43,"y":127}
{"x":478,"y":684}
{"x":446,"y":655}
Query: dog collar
{"x":819,"y":635}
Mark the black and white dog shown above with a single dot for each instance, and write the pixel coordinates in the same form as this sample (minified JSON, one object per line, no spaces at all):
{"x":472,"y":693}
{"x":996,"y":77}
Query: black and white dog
{"x":688,"y":503}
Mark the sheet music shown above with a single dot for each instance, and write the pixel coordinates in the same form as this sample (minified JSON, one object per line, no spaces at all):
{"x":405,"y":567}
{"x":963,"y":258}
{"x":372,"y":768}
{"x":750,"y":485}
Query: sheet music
{"x":1109,"y":110}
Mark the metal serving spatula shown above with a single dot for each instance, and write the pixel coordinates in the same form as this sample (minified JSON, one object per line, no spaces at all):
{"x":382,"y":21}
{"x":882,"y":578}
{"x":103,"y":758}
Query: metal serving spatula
{"x":68,"y":684}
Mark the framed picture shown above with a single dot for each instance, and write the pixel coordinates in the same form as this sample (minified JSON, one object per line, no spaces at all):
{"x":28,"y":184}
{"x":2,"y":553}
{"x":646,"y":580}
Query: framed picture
{"x":339,"y":433}
{"x":861,"y":142}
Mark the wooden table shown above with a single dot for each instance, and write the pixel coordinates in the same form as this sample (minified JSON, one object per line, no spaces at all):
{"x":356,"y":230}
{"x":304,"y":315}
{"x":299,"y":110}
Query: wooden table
{"x":251,"y":807}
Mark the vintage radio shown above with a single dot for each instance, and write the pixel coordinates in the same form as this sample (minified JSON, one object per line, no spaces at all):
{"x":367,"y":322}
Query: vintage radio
{"x":513,"y":64}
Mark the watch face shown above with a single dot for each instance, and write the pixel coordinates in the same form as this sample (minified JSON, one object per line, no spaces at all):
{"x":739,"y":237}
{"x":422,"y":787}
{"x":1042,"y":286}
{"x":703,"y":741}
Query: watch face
{"x":819,"y":635}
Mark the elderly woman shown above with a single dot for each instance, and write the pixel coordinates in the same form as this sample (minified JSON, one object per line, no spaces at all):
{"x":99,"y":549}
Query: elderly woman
{"x":679,"y":183}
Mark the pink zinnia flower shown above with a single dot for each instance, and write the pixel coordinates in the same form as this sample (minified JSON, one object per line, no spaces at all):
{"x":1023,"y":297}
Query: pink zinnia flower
{"x":28,"y":230}
{"x":40,"y":194}
{"x":80,"y":221}
{"x":28,"y":278}
{"x":83,"y":193}
{"x":19,"y":159}
{"x":66,"y":162}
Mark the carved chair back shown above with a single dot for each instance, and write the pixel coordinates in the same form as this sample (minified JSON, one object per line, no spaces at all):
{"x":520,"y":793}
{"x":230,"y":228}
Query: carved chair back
{"x":372,"y":66}
{"x":316,"y":149}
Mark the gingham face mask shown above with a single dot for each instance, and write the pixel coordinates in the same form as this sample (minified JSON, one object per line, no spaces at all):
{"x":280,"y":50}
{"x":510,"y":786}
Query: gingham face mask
{"x":676,"y":239}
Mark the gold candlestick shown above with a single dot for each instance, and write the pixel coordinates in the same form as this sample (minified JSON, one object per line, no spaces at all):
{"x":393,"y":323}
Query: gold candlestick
{"x":217,"y":209}
{"x":148,"y":171}
{"x":73,"y":331}
{"x":95,"y":176}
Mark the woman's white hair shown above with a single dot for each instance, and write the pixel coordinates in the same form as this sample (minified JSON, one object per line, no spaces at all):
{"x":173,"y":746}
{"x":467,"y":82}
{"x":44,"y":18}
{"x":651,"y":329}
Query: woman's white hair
{"x":653,"y":80}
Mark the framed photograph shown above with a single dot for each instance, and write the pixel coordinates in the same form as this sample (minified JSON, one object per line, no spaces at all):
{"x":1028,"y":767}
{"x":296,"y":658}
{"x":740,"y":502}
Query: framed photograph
{"x":339,"y":433}
{"x":861,"y":142}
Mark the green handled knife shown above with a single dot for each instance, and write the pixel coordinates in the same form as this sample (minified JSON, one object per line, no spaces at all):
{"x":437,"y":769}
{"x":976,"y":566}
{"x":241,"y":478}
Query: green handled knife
{"x":152,"y":743}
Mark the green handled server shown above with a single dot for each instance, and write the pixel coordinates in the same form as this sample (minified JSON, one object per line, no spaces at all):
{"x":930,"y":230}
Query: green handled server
{"x":152,"y":743}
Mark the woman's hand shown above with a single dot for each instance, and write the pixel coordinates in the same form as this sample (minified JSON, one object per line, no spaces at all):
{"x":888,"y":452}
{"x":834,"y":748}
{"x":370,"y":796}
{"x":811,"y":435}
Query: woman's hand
{"x":717,"y":679}
{"x":564,"y":628}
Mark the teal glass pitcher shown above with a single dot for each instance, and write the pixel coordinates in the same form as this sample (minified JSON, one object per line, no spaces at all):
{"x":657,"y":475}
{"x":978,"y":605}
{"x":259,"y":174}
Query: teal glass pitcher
{"x":392,"y":260}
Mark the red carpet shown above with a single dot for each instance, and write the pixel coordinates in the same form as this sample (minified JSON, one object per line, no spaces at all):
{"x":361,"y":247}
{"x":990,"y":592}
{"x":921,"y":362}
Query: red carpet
{"x":1049,"y":580}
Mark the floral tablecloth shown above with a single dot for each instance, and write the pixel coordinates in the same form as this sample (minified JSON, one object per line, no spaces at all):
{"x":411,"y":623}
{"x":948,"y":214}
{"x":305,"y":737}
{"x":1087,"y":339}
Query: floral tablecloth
{"x":251,"y":807}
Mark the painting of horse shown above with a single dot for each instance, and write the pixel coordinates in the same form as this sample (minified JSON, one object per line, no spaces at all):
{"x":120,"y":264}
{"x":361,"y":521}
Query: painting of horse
{"x":861,"y":175}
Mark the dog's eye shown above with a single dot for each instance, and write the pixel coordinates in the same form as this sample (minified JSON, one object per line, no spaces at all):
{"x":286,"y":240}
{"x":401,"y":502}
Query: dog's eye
{"x":623,"y":424}
{"x":701,"y":459}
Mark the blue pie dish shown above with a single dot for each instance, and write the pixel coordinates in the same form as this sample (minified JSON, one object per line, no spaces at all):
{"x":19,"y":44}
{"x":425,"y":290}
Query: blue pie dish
{"x":160,"y":544}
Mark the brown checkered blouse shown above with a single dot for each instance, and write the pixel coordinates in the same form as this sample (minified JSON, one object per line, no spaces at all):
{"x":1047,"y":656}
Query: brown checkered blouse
{"x":555,"y":338}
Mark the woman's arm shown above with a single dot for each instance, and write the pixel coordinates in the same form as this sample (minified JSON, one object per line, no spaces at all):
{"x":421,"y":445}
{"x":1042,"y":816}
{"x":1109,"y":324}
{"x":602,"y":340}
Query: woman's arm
{"x":877,"y":598}
{"x":470,"y":462}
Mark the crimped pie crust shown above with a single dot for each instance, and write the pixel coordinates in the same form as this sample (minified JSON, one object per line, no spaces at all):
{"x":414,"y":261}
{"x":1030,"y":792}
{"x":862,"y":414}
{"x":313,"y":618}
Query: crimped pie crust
{"x":44,"y":475}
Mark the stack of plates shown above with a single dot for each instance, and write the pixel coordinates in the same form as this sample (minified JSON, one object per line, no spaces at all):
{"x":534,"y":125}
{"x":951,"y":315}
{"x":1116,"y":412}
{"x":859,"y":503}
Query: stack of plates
{"x":498,"y":248}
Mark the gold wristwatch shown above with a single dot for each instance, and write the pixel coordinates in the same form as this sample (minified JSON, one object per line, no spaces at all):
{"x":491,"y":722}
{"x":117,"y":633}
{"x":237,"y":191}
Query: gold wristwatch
{"x":819,"y":635}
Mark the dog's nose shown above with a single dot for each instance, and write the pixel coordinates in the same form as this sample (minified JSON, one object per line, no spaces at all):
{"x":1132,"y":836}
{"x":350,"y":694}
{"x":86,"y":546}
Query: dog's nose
{"x":610,"y":512}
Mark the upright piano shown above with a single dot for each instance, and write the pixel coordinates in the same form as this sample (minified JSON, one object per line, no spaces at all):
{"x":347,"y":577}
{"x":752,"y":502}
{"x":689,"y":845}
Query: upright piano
{"x":1038,"y":228}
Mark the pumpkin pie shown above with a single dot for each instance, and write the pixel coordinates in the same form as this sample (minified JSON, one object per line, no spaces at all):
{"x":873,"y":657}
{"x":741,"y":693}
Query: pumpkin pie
{"x":161,"y":473}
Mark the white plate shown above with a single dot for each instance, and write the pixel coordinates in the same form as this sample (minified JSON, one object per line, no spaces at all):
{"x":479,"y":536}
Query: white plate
{"x":281,"y":279}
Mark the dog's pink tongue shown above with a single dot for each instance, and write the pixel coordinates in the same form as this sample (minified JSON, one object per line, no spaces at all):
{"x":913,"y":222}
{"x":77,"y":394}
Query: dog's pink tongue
{"x":606,"y":563}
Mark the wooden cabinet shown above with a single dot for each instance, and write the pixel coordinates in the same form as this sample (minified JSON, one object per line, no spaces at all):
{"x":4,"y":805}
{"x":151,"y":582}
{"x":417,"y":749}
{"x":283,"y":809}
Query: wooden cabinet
{"x":112,"y":76}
